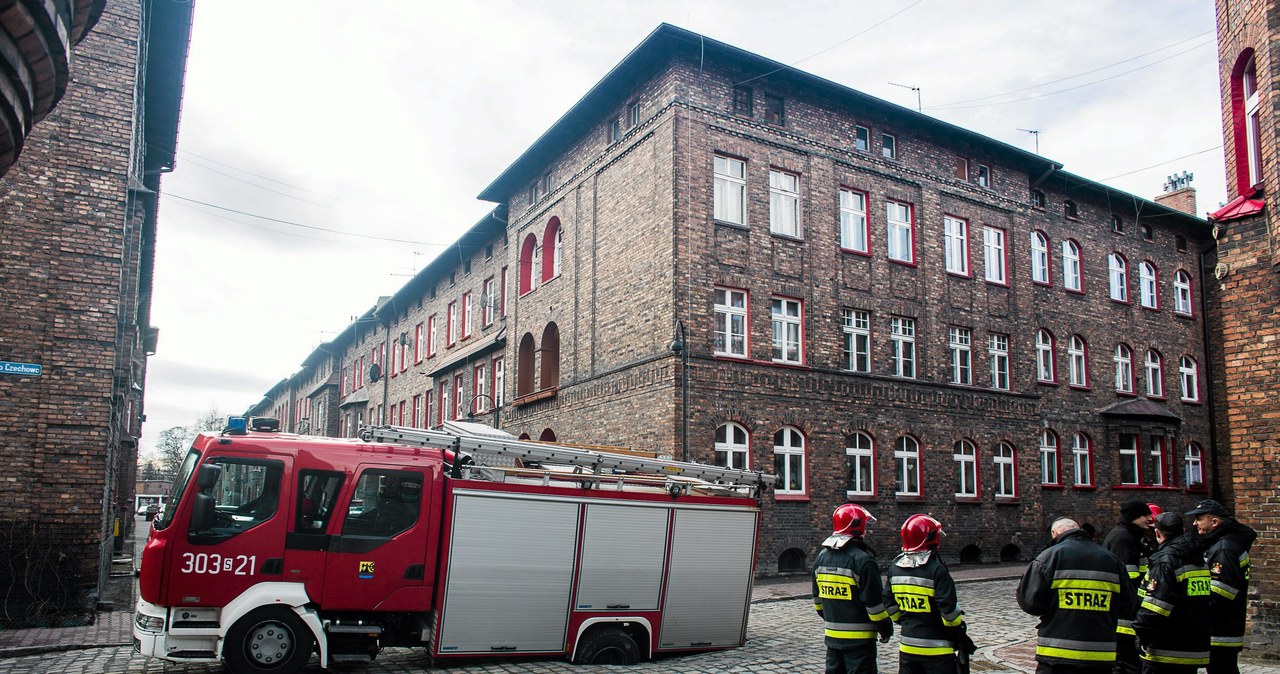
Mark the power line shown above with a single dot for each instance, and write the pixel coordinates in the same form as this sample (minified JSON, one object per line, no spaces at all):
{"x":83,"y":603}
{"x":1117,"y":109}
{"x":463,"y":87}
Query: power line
{"x":304,"y":226}
{"x":1145,"y":168}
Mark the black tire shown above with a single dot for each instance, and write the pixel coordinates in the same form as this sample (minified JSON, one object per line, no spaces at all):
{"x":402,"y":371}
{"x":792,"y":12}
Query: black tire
{"x":607,"y":646}
{"x":272,"y":639}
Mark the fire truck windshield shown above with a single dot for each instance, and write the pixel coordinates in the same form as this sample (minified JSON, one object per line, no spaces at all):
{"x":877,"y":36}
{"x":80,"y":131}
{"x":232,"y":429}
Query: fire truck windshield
{"x":179,"y":486}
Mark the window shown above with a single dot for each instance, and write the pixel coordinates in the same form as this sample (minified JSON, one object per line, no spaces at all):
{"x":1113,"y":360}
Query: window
{"x":1117,"y":225}
{"x":862,"y":138}
{"x":446,"y":408}
{"x":901,"y":239}
{"x":466,"y":315}
{"x":1078,"y":355}
{"x":1147,"y":233}
{"x":1180,"y":243}
{"x":1046,"y":369}
{"x":857,"y":340}
{"x":1124,"y":369}
{"x":551,"y":239}
{"x":1129,"y":458}
{"x":906,"y":458}
{"x":998,"y":359}
{"x":1118,"y":272}
{"x":1147,"y":285}
{"x":1005,"y":459}
{"x":860,"y":464}
{"x":459,"y":398}
{"x":431,"y":335}
{"x":962,"y":168}
{"x":549,"y":358}
{"x":731,"y":446}
{"x":955,"y":245}
{"x":787,"y":317}
{"x":451,"y":324}
{"x":984,"y":176}
{"x":1188,"y":374}
{"x":788,"y":460}
{"x":1048,"y":457}
{"x":961,"y":358}
{"x":730,"y":194}
{"x":615,"y":130}
{"x":1182,"y":293}
{"x":784,"y":203}
{"x":1252,"y":126}
{"x":855,"y":234}
{"x":1071,"y":273}
{"x":731,"y":322}
{"x":743,"y":100}
{"x":499,"y":383}
{"x":488,"y":300}
{"x":993,"y":254}
{"x":903,"y":341}
{"x":1155,"y":374}
{"x":1194,"y":462}
{"x":502,"y":293}
{"x":481,"y":401}
{"x":633,"y":113}
{"x":966,"y":458}
{"x":418,"y":336}
{"x":1082,"y":458}
{"x":527,"y":251}
{"x":1159,"y":460}
{"x":1039,"y":258}
{"x":525,"y":358}
{"x":888,"y":146}
{"x":1069,"y":209}
{"x":1037,"y":199}
{"x":774,"y":111}
{"x":392,"y":501}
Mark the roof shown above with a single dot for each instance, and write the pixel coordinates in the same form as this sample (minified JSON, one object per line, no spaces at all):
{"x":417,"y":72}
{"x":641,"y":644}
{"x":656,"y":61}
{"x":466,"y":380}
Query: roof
{"x":168,"y":36}
{"x":1139,"y":408}
{"x":1240,"y":207}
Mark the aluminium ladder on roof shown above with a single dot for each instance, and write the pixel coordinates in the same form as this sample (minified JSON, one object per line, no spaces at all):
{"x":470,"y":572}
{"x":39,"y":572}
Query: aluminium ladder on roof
{"x":505,"y":445}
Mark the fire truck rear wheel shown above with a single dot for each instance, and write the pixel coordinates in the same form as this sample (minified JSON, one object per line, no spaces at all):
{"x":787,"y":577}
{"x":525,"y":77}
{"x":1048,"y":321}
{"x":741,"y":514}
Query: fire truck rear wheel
{"x":270,"y":639}
{"x":607,"y":646}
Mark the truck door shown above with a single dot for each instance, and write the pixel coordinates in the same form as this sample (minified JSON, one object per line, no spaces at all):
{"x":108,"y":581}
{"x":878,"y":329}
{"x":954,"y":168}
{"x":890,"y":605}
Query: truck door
{"x":244,"y":544}
{"x":377,"y":561}
{"x":315,"y":502}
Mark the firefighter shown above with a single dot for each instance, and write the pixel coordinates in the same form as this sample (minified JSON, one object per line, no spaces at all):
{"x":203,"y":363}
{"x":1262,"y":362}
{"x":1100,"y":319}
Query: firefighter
{"x":1128,"y":541}
{"x":848,"y":596}
{"x":922,"y":600}
{"x":1078,"y":589}
{"x":1226,"y":552}
{"x":1173,"y":620}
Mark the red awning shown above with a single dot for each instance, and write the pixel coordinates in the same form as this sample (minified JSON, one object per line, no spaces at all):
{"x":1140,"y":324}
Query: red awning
{"x":1239,"y":207}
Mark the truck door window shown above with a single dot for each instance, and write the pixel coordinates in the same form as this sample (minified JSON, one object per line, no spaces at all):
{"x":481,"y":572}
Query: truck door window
{"x":247,"y":494}
{"x":391,"y":499}
{"x":317,"y":490}
{"x":179,"y":486}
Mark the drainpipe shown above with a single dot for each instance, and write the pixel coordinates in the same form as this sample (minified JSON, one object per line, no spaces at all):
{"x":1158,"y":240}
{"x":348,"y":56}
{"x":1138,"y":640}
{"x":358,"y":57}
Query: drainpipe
{"x":1216,"y":485}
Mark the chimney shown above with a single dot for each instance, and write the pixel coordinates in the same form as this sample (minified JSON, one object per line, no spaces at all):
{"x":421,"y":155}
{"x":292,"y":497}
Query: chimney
{"x":1179,"y":194}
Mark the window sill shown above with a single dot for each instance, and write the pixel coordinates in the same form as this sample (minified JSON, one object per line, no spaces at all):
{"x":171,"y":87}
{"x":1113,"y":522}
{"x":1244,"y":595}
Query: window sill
{"x":968,"y":500}
{"x":1047,"y":382}
{"x":1051,"y":487}
{"x":1008,"y":500}
{"x":1084,"y":487}
{"x":1196,"y":490}
{"x":1157,"y":398}
{"x":534,"y":397}
{"x":998,"y":284}
{"x":1154,"y":309}
{"x":861,"y":498}
{"x":905,"y":263}
{"x":909,"y":498}
{"x":1126,"y":394}
{"x":1079,"y":387}
{"x":1144,"y":487}
{"x":1073,"y":291}
{"x":958,"y":275}
{"x":854,"y":251}
{"x":1121,"y":302}
{"x":789,"y":364}
{"x":1179,"y":314}
{"x":791,"y":497}
{"x":794,"y":238}
{"x":1193,"y":403}
{"x":1043,"y":284}
{"x":732,"y":225}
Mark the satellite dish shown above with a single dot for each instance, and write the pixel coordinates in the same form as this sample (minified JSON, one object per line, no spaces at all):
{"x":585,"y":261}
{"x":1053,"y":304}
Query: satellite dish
{"x":375,"y":372}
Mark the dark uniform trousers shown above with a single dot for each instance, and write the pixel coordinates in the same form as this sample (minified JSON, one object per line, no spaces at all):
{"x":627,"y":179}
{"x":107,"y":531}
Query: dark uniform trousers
{"x":1222,"y":660}
{"x":926,"y":664}
{"x":856,"y":660}
{"x":1046,"y":668}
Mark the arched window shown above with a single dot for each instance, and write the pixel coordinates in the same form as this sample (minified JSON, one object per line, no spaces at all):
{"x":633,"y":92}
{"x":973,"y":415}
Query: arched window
{"x":966,"y":458}
{"x":1182,"y":293}
{"x":860,"y":462}
{"x":1078,"y":353}
{"x":732,"y":446}
{"x":1246,"y":127}
{"x":1072,"y":278}
{"x":1147,"y":285}
{"x":1119,"y":275}
{"x":1005,"y":459}
{"x":527,"y":252}
{"x":524,"y":365}
{"x":906,"y":457}
{"x":1040,"y":257}
{"x":1189,"y":375}
{"x":788,"y":460}
{"x":551,"y":250}
{"x":550,"y":371}
{"x":1155,"y":374}
{"x":1194,"y":461}
{"x":1049,"y":457}
{"x":1082,"y":458}
{"x":1046,"y":369}
{"x":1124,"y":368}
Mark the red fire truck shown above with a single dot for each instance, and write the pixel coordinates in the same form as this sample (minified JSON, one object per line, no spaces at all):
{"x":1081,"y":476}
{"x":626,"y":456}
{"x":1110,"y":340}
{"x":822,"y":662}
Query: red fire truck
{"x":462,"y":540}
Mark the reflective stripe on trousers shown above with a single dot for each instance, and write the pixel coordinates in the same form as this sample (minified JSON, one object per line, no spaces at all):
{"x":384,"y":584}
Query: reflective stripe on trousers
{"x":1071,"y":649}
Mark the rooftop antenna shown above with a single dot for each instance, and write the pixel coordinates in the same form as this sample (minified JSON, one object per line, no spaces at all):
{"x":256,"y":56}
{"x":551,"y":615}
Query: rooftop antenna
{"x":915,"y":89}
{"x":1036,"y":133}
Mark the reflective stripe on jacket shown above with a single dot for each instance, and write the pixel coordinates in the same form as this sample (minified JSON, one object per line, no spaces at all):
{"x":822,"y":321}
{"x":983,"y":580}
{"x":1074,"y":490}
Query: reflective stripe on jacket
{"x":1173,"y":619}
{"x":847,"y":594}
{"x":922,"y":600}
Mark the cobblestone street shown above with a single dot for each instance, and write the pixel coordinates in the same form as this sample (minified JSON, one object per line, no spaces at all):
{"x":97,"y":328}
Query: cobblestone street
{"x":783,"y":636}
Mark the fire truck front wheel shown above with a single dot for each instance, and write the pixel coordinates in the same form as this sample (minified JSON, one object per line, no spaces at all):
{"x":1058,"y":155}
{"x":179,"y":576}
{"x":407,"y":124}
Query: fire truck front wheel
{"x":272,"y":639}
{"x":607,"y":646}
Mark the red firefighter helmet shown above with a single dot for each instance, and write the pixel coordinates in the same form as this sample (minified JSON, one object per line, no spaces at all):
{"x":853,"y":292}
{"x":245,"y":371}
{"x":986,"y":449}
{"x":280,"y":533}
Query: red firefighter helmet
{"x":920,"y":532}
{"x":850,"y":519}
{"x":1155,"y":510}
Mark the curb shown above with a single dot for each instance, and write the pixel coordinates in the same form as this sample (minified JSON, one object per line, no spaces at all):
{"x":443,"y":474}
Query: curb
{"x":26,"y":651}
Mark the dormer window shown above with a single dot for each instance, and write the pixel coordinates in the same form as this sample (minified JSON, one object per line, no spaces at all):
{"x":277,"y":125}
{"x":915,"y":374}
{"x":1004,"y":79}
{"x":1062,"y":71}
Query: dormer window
{"x":743,"y":101}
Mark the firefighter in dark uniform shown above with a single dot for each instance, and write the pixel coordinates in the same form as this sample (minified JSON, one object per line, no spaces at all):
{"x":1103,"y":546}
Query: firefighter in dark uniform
{"x":848,"y":595}
{"x":1129,"y":543}
{"x":922,"y":600}
{"x":1173,"y":620}
{"x":1078,"y":589}
{"x":1226,"y":552}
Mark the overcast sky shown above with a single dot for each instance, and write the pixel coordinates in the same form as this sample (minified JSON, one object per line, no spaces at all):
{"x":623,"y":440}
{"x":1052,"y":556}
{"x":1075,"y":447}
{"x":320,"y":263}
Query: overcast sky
{"x":328,"y":149}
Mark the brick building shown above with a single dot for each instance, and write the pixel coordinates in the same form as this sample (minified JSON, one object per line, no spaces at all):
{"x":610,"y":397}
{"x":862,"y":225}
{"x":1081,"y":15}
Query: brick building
{"x":77,"y":243}
{"x":876,"y":305}
{"x":1244,"y":292}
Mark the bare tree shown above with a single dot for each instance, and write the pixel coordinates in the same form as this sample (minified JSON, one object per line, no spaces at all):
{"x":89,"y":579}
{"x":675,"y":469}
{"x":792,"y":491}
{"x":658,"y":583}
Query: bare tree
{"x":174,"y":442}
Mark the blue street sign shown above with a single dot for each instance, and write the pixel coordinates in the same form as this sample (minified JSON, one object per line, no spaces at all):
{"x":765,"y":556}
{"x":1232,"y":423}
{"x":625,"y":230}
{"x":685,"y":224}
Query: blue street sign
{"x":20,"y":369}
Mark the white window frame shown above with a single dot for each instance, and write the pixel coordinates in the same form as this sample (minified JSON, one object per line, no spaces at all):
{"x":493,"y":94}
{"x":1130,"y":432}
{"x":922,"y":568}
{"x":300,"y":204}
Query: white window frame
{"x":1082,"y":460}
{"x":993,"y":255}
{"x":1130,"y":455}
{"x":789,"y":451}
{"x":1189,"y":376}
{"x":959,"y":340}
{"x":728,"y":451}
{"x":1050,"y":468}
{"x":730,"y":322}
{"x":903,"y":341}
{"x":1155,"y":374}
{"x":1158,"y":459}
{"x":862,"y":138}
{"x":1252,"y":119}
{"x":998,"y":360}
{"x":490,"y":301}
{"x":1118,"y":273}
{"x":1193,"y":460}
{"x":1040,"y":258}
{"x":499,"y":382}
{"x":855,"y":231}
{"x":906,"y":459}
{"x":857,"y":340}
{"x":788,"y":330}
{"x":1148,"y":286}
{"x":1182,"y":293}
{"x":900,"y":228}
{"x":784,"y":203}
{"x":860,"y":458}
{"x":730,"y":190}
{"x":955,"y":245}
{"x":1123,"y":358}
{"x":1006,"y":470}
{"x":1046,"y":368}
{"x":983,"y":176}
{"x":965,"y":455}
{"x":1072,"y":274}
{"x":459,"y":398}
{"x":888,"y":146}
{"x":1078,"y":358}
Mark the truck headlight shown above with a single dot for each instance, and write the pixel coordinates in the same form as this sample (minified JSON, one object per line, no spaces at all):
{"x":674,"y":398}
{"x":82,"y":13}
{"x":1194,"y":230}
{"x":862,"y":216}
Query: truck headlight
{"x":148,"y":622}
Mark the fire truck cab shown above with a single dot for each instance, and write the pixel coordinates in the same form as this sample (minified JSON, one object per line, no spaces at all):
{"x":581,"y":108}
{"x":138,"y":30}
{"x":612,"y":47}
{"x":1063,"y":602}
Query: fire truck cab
{"x":462,"y":540}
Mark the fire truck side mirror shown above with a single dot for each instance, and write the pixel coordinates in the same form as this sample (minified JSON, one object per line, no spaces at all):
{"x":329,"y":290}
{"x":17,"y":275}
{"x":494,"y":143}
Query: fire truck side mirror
{"x":208,"y":475}
{"x":202,"y":512}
